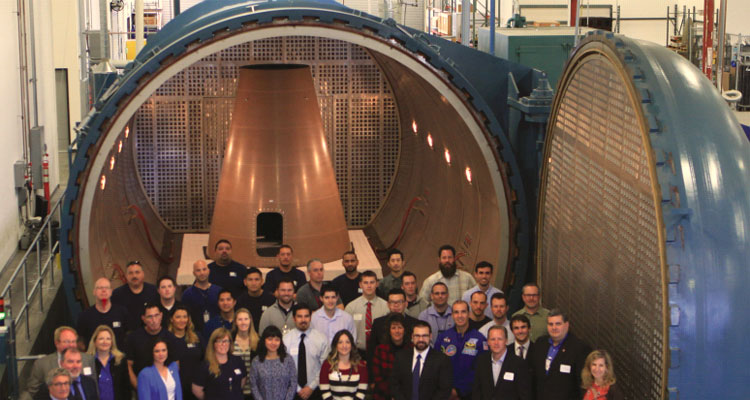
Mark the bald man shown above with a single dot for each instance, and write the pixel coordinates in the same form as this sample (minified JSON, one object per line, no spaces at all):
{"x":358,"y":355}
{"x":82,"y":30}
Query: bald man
{"x":103,"y":312}
{"x":201,"y":297}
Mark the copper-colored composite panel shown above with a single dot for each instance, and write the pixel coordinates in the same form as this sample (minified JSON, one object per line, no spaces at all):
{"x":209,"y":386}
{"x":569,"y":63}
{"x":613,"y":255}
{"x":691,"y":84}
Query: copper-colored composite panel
{"x":277,"y":162}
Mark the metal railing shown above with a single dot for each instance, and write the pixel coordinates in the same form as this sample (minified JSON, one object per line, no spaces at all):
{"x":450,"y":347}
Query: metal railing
{"x":13,"y":317}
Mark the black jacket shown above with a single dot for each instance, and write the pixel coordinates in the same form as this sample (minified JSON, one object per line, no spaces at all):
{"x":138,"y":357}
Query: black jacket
{"x":90,"y":388}
{"x":380,"y":330}
{"x":563,"y":382}
{"x":435,"y":381}
{"x":513,"y":383}
{"x":120,"y":377}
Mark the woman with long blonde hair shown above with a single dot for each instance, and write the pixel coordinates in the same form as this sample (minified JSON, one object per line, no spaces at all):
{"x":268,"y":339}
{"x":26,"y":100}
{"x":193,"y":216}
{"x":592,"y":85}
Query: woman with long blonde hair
{"x":111,"y":372}
{"x":181,"y":325}
{"x":598,"y":377}
{"x":245,"y":341}
{"x":343,"y":376}
{"x":222,"y":375}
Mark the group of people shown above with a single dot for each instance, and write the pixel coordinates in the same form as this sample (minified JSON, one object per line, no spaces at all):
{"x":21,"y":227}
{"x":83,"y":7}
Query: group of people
{"x":234,"y":335}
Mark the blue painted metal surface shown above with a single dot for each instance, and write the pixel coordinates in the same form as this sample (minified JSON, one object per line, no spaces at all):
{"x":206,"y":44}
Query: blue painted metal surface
{"x":702,"y":166}
{"x":479,"y":76}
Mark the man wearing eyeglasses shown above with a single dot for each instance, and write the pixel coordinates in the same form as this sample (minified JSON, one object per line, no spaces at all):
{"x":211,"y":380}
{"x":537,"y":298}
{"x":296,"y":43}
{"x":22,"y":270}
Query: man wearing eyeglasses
{"x":396,"y":304}
{"x":533,"y":310}
{"x":65,"y":337}
{"x":58,"y":384}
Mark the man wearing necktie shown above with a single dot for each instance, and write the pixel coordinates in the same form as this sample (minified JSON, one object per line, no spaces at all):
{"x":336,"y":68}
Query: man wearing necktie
{"x":421,"y":373}
{"x":308,"y":348}
{"x":82,"y":385}
{"x":365,"y":309}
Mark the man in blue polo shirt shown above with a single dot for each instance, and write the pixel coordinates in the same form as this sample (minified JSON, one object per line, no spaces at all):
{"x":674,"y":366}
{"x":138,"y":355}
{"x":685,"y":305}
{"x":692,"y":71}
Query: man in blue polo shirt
{"x":462,"y":345}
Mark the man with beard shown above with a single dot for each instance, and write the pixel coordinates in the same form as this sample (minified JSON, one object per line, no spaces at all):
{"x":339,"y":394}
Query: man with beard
{"x":135,"y":295}
{"x":309,"y":349}
{"x":279,"y":314}
{"x":421,"y":373}
{"x":348,"y":282}
{"x":456,"y":280}
{"x":225,"y":272}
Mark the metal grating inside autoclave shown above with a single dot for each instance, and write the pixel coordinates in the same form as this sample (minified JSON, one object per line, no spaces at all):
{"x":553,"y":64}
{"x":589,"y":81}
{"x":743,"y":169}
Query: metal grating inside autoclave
{"x":181,"y":130}
{"x":599,"y":245}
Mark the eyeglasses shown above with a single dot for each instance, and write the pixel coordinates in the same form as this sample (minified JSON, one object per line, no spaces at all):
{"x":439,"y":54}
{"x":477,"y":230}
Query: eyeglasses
{"x":395,"y":301}
{"x":223,"y":341}
{"x":61,"y":384}
{"x":531,"y":295}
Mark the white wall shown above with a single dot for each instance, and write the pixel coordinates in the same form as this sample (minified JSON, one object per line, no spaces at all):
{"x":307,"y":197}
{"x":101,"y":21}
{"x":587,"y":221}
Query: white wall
{"x":655,"y":31}
{"x":46,"y":87}
{"x":11,"y":139}
{"x":738,"y":17}
{"x":66,"y":52}
{"x":11,"y":145}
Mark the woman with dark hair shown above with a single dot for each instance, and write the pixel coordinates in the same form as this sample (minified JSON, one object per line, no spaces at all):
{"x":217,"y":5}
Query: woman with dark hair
{"x":111,"y":366}
{"x":343,"y":376}
{"x":598,"y":377}
{"x":245,"y":341}
{"x":221,"y":375}
{"x":273,"y":375}
{"x":385,"y":352}
{"x":161,"y":380}
{"x":181,"y":325}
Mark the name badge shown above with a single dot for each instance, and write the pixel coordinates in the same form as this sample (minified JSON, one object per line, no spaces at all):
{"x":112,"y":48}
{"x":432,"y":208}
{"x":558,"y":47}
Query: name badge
{"x":206,"y":317}
{"x":233,"y":274}
{"x":295,"y":283}
{"x":358,"y":317}
{"x":264,"y":308}
{"x":294,"y":351}
{"x":190,"y":345}
{"x":359,"y":290}
{"x":508,"y":376}
{"x":237,"y":371}
{"x":87,"y":370}
{"x":115,"y":324}
{"x":564,"y":368}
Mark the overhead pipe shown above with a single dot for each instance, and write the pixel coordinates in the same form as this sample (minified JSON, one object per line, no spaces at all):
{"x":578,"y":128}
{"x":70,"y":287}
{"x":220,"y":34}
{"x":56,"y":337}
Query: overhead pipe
{"x":708,"y":40}
{"x":576,"y":11}
{"x":492,"y":27}
{"x":722,"y":40}
{"x":23,"y":72}
{"x":466,"y":22}
{"x":139,"y":28}
{"x":33,"y":79}
{"x":104,"y":28}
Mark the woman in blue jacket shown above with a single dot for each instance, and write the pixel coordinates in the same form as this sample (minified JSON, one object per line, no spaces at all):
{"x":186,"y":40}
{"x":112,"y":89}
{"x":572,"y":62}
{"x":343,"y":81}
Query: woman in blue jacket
{"x":162,"y":379}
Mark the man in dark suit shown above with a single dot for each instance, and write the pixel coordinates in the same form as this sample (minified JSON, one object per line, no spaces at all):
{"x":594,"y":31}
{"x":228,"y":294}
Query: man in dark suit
{"x":421,"y":373}
{"x":64,"y":337}
{"x":83,"y":385}
{"x":521,"y":327}
{"x":500,"y":374}
{"x":557,"y":360}
{"x":57,"y":386}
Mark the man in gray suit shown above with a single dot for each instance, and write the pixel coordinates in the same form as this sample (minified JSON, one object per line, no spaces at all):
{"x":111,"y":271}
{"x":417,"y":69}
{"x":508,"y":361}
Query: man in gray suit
{"x":65,"y":337}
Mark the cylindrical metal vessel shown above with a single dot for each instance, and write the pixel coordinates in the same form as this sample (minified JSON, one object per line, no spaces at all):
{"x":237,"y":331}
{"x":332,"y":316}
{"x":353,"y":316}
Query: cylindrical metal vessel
{"x":277,"y":182}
